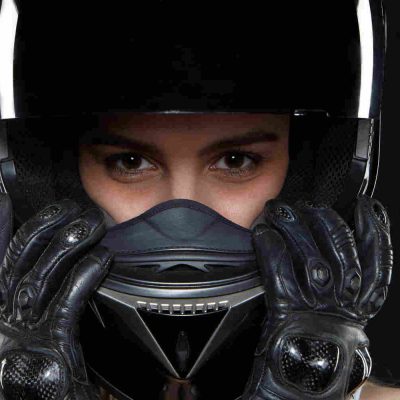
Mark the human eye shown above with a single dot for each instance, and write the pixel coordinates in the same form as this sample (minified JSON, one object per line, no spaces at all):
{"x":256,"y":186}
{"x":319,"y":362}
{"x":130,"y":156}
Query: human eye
{"x":237,"y":164}
{"x":127,"y":166}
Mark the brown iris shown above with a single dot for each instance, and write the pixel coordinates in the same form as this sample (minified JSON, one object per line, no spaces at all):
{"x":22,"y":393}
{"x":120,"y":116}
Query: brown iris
{"x":234,"y":160}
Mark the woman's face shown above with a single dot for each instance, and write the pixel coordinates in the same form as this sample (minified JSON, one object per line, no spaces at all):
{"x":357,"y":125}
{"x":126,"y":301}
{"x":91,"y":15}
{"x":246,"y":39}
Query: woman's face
{"x":233,"y":163}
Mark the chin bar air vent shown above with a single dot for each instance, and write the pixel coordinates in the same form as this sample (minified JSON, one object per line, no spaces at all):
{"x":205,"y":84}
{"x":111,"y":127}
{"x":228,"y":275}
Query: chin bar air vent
{"x":183,"y":308}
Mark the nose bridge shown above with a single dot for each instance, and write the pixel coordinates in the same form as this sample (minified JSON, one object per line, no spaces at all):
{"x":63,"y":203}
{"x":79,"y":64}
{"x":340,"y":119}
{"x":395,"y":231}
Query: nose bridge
{"x":184,"y":183}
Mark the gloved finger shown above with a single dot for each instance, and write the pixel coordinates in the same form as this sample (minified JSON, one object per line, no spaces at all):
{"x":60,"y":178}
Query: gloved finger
{"x":6,"y":221}
{"x":336,"y":242}
{"x":45,"y":278}
{"x":67,"y":307}
{"x":26,"y":246}
{"x":312,"y":271}
{"x":276,"y":268}
{"x":372,"y":233}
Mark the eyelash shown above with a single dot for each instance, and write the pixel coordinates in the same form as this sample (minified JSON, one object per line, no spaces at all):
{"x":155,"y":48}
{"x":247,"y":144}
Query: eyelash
{"x":239,"y":172}
{"x":111,"y":164}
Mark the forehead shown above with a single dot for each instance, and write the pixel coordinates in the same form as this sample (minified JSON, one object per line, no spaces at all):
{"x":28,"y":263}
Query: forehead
{"x":204,"y":125}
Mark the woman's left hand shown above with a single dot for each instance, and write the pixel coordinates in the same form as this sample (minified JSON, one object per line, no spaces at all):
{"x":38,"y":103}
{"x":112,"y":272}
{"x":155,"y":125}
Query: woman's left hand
{"x":322,"y":287}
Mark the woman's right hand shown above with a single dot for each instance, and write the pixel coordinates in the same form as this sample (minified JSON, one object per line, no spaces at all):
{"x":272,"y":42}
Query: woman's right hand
{"x":50,"y":269}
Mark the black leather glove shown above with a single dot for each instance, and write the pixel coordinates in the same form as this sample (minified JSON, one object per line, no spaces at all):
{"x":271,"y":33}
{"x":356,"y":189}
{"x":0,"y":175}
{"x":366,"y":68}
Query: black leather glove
{"x":50,"y":269}
{"x":322,"y":286}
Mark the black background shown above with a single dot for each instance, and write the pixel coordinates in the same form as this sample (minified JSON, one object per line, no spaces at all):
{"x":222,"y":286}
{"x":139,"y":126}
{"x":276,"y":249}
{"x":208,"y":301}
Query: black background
{"x":384,"y":329}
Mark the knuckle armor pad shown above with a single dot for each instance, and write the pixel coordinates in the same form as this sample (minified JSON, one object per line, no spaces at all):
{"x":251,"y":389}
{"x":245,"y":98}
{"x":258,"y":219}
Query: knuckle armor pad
{"x":308,"y":364}
{"x":75,"y":233}
{"x":27,"y":375}
{"x":361,"y":370}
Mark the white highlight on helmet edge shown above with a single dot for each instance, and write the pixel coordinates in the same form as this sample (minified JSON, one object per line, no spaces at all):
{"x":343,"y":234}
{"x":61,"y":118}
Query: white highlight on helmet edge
{"x":8,"y":25}
{"x":3,"y":363}
{"x":365,"y":27}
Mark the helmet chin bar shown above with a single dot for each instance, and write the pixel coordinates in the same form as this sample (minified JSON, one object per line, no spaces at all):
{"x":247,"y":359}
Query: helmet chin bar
{"x":232,"y":308}
{"x":183,"y":284}
{"x":180,"y":335}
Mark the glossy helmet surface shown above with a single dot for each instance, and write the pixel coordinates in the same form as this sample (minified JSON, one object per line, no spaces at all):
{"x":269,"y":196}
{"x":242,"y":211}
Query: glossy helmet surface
{"x":63,"y":63}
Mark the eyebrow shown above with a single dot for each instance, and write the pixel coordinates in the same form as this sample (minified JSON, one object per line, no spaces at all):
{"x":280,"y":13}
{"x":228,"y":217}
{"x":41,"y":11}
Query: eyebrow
{"x":99,"y":137}
{"x":251,"y":137}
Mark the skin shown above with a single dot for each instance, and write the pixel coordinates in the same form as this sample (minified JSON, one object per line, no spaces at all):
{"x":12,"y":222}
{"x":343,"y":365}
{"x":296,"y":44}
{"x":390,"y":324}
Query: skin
{"x":136,"y":161}
{"x":373,"y":391}
{"x":186,"y":163}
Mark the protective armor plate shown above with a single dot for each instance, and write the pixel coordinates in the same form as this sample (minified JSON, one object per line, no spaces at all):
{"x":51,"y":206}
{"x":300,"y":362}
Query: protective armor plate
{"x":357,"y":373}
{"x":309,"y":364}
{"x":31,"y":376}
{"x":361,"y":369}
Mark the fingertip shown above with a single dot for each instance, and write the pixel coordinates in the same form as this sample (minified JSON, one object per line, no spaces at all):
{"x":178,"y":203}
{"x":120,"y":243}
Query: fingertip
{"x":265,"y":237}
{"x":65,"y":209}
{"x":93,"y":213}
{"x":274,"y":203}
{"x":381,"y":213}
{"x":95,"y":218}
{"x":85,"y":230}
{"x":92,"y":268}
{"x":260,"y":229}
{"x":368,"y":206}
{"x":279,"y":211}
{"x":102,"y":255}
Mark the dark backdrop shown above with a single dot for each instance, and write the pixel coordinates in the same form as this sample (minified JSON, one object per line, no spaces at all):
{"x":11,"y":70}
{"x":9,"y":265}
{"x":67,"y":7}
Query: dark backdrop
{"x":384,"y":330}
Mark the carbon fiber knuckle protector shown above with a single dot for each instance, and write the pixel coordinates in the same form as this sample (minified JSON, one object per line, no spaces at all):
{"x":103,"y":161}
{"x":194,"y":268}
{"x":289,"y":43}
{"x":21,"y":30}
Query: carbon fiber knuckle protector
{"x":361,"y":370}
{"x":308,"y":364}
{"x":31,"y":376}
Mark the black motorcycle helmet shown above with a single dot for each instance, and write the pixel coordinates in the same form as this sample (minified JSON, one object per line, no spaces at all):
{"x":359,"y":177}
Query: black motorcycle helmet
{"x":65,"y":63}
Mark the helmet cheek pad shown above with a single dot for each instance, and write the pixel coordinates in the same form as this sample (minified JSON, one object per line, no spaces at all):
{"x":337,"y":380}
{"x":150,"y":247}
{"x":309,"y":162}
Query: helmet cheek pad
{"x":41,"y":163}
{"x":333,"y":168}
